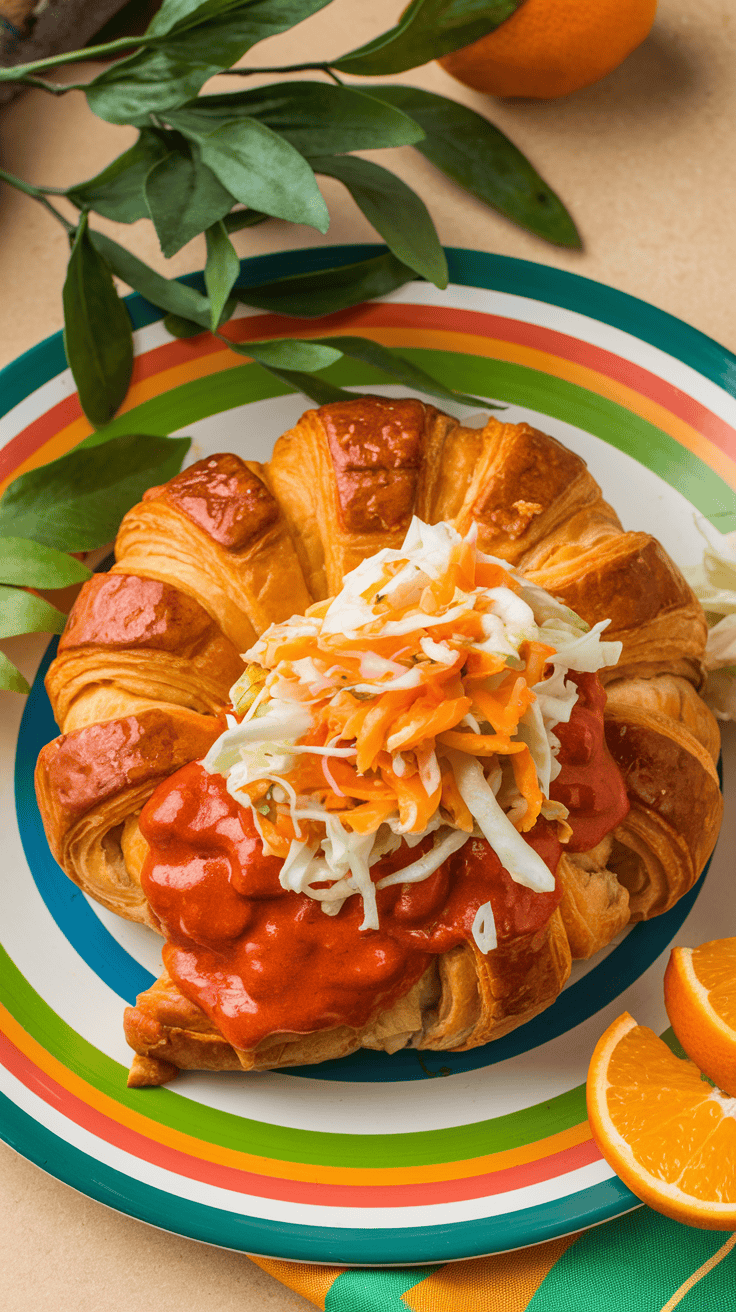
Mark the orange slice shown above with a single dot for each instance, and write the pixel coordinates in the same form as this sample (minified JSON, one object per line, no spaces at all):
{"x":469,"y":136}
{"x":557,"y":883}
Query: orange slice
{"x":700,"y":997}
{"x":668,"y":1134}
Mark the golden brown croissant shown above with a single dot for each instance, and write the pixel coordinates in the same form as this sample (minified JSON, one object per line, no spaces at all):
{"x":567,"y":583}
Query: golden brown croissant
{"x":228,"y":547}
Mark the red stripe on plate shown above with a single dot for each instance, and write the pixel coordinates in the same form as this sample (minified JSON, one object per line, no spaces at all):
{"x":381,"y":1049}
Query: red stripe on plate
{"x":218,"y":1176}
{"x":471,"y":322}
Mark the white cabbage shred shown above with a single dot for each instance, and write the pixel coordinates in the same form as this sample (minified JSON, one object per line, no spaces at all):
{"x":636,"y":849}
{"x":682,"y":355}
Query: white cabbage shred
{"x":714,"y":584}
{"x":265,"y":745}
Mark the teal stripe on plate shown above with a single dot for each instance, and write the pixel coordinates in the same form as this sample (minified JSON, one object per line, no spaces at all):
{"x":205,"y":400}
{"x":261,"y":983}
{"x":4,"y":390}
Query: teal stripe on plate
{"x":301,"y":1243}
{"x":469,"y":268}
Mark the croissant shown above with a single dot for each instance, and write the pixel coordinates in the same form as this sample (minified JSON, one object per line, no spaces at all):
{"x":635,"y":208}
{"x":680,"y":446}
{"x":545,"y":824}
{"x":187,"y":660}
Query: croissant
{"x":207,"y":562}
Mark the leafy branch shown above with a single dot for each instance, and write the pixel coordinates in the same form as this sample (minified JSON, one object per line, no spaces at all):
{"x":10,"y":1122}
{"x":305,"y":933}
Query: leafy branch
{"x":211,"y":165}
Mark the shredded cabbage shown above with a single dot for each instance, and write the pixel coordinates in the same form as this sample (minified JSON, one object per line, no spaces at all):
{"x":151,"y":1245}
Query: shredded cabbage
{"x":286,"y":701}
{"x":714,"y":584}
{"x":484,"y":928}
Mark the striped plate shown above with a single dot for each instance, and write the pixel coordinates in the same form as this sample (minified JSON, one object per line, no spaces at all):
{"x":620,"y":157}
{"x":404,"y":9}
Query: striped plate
{"x":374,"y":1159}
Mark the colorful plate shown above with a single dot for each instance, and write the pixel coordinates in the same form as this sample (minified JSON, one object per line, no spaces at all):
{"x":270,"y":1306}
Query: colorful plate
{"x":375,"y":1159}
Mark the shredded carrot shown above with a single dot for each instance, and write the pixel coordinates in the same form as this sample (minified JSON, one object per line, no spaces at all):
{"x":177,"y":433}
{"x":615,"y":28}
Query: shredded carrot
{"x":366,"y":819}
{"x":488,"y":575}
{"x":525,"y":774}
{"x":454,"y":804}
{"x":381,"y":714}
{"x":288,"y":649}
{"x":365,"y":787}
{"x":337,"y":714}
{"x":278,"y":842}
{"x":459,"y":574}
{"x":424,"y":720}
{"x":415,"y":807}
{"x":334,"y":644}
{"x":469,"y":625}
{"x":536,"y":655}
{"x":480,"y":744}
{"x":504,"y":707}
{"x":256,"y":790}
{"x":481,"y":664}
{"x":353,"y":726}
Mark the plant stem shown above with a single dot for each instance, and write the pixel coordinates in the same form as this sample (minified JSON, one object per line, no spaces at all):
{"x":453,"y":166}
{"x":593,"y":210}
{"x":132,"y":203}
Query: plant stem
{"x":286,"y":68}
{"x":54,"y":88}
{"x":19,"y":72}
{"x":37,"y":193}
{"x":66,"y":225}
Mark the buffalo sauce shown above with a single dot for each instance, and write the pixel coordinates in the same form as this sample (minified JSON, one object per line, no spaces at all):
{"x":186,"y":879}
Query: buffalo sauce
{"x":589,"y":783}
{"x":260,"y":960}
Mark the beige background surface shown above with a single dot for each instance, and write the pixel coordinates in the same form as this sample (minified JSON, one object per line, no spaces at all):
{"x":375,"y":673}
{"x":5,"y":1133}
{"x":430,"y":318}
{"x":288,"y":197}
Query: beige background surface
{"x":646,"y":162}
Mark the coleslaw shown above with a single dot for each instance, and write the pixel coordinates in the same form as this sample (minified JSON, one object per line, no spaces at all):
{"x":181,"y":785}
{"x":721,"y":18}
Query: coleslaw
{"x":418,"y":704}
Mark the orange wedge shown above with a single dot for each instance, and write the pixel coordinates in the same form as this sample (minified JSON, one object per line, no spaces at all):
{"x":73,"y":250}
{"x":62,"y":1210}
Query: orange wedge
{"x":700,"y":997}
{"x":668,"y":1134}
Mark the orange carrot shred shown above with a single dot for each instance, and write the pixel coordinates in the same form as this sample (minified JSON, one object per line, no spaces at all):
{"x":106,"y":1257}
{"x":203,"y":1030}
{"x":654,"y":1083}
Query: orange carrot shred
{"x":454,"y":804}
{"x":536,"y":655}
{"x":525,"y":774}
{"x":366,"y":819}
{"x":480,"y":744}
{"x":425,"y":720}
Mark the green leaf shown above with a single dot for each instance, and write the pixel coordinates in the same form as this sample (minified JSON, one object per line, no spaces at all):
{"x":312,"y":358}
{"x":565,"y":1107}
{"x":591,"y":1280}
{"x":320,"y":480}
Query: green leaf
{"x":315,"y":118}
{"x":184,"y":198}
{"x":148,"y":82}
{"x":471,"y":151}
{"x":180,"y":15}
{"x":166,"y":293}
{"x":317,"y":389}
{"x":427,"y":30}
{"x":261,"y":170}
{"x":395,"y":211}
{"x":178,"y":327}
{"x":220,"y":271}
{"x":98,"y":337}
{"x":240,"y":219}
{"x":184,"y":52}
{"x":289,"y":353}
{"x":21,"y":612}
{"x":33,"y":565}
{"x":11,"y":678}
{"x":392,"y":363}
{"x":324,"y":291}
{"x":75,"y":503}
{"x":260,"y":18}
{"x":117,"y":192}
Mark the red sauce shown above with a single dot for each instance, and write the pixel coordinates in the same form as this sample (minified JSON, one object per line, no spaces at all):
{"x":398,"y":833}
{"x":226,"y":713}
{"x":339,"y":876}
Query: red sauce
{"x":259,"y":960}
{"x":589,"y":784}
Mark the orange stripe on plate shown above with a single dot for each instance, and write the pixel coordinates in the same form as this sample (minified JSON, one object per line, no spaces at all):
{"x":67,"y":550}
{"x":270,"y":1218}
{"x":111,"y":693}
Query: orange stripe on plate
{"x":465,"y":343}
{"x":589,"y":379}
{"x":272,"y":1167}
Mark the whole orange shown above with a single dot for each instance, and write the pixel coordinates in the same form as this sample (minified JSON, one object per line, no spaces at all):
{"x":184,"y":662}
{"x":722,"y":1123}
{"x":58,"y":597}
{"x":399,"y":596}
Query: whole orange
{"x":551,"y":47}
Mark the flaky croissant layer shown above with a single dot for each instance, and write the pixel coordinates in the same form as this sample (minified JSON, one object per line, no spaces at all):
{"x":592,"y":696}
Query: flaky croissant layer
{"x":205,"y":563}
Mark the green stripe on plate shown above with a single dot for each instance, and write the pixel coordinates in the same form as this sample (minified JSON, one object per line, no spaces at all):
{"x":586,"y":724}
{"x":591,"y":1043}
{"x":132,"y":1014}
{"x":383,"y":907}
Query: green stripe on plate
{"x":613,"y":423}
{"x":280,"y":1143}
{"x":197,"y":399}
{"x":503,"y":381}
{"x":366,"y":1246}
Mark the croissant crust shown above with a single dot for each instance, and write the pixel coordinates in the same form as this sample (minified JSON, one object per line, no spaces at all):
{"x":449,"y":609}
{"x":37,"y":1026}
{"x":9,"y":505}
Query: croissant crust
{"x":206,"y":562}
